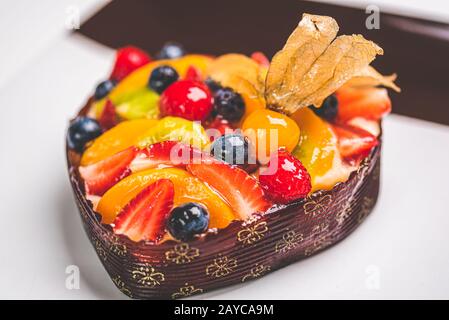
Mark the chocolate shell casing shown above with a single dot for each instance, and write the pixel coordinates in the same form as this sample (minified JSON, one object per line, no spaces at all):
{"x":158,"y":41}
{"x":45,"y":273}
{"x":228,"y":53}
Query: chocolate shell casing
{"x":241,"y":252}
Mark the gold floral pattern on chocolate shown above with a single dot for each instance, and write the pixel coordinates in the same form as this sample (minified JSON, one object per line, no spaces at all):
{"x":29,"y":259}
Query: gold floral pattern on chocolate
{"x":222,"y":266}
{"x":99,"y":248}
{"x":289,"y":241}
{"x":252,"y":233}
{"x":120,"y":284}
{"x":148,"y":276}
{"x":116,"y":246}
{"x":323,"y":240}
{"x":182,"y":253}
{"x":186,"y":291}
{"x":318,"y":206}
{"x":256,"y":272}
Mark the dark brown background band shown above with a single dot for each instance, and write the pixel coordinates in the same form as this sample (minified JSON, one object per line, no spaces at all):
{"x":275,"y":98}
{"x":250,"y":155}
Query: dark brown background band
{"x":418,"y":50}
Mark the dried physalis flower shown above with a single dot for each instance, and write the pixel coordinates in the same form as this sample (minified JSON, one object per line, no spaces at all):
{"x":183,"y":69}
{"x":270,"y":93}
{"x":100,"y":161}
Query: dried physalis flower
{"x":313,"y":64}
{"x":370,"y":77}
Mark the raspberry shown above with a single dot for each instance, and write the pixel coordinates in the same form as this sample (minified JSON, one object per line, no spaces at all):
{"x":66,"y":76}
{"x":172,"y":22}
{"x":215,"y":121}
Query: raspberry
{"x":287,"y":181}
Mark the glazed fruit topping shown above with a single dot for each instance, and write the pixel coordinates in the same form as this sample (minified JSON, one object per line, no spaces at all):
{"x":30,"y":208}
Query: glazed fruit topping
{"x":108,"y":118}
{"x":354,"y":143}
{"x":101,"y":176}
{"x":269,"y":130}
{"x":229,"y":104}
{"x":285,"y":179}
{"x":175,"y":129}
{"x":188,"y":99}
{"x":161,"y":77}
{"x":127,"y":60}
{"x":121,"y":137}
{"x":144,"y":218}
{"x":103,"y":89}
{"x":369,"y":103}
{"x":234,"y":149}
{"x":81,"y":131}
{"x":188,"y":220}
{"x":328,"y":109}
{"x":166,"y":153}
{"x":240,"y":190}
{"x":171,"y":50}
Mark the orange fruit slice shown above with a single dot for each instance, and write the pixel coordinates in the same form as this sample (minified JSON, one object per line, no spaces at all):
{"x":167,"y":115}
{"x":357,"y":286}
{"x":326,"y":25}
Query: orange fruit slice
{"x":120,"y":137}
{"x":187,"y":189}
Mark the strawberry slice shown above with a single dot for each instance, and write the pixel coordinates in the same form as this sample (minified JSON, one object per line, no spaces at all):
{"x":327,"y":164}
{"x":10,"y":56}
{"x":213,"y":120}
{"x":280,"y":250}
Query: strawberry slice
{"x":108,"y":118}
{"x":238,"y":188}
{"x":166,"y":153}
{"x":144,"y":217}
{"x":102,"y":175}
{"x":369,"y":103}
{"x":193,"y":74}
{"x":354,"y":143}
{"x":372,"y":126}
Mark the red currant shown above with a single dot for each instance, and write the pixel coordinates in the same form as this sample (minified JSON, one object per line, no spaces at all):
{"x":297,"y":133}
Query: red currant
{"x":127,"y":60}
{"x":188,"y":99}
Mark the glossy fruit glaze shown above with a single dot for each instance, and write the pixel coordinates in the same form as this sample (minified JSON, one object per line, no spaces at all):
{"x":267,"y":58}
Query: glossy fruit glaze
{"x":154,"y":113}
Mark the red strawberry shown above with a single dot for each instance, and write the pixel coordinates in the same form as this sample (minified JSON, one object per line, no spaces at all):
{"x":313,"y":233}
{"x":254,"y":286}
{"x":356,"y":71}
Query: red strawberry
{"x":238,"y":188}
{"x":188,"y":99}
{"x":101,"y":176}
{"x":354,"y":143}
{"x":127,"y":60}
{"x":260,"y":58}
{"x":193,"y":74}
{"x":143,"y":218}
{"x":285,"y":179}
{"x":372,"y":126}
{"x":369,"y":103}
{"x":108,"y":118}
{"x":221,"y":125}
{"x":166,"y":153}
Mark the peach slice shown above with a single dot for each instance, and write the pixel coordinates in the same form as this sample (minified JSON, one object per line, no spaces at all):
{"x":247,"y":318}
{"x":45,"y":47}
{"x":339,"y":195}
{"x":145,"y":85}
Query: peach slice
{"x":318,"y":151}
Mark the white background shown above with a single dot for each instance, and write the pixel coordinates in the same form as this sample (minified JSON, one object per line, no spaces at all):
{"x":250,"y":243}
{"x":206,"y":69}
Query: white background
{"x":401,"y":251}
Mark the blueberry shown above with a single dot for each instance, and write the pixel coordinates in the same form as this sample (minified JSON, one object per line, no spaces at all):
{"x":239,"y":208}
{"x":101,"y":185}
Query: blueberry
{"x":103,"y":89}
{"x":229,"y":104}
{"x":212,"y":85}
{"x":234,"y":149}
{"x":328,"y":110}
{"x":171,"y":50}
{"x":81,"y":131}
{"x":161,"y":77}
{"x":187,"y":220}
